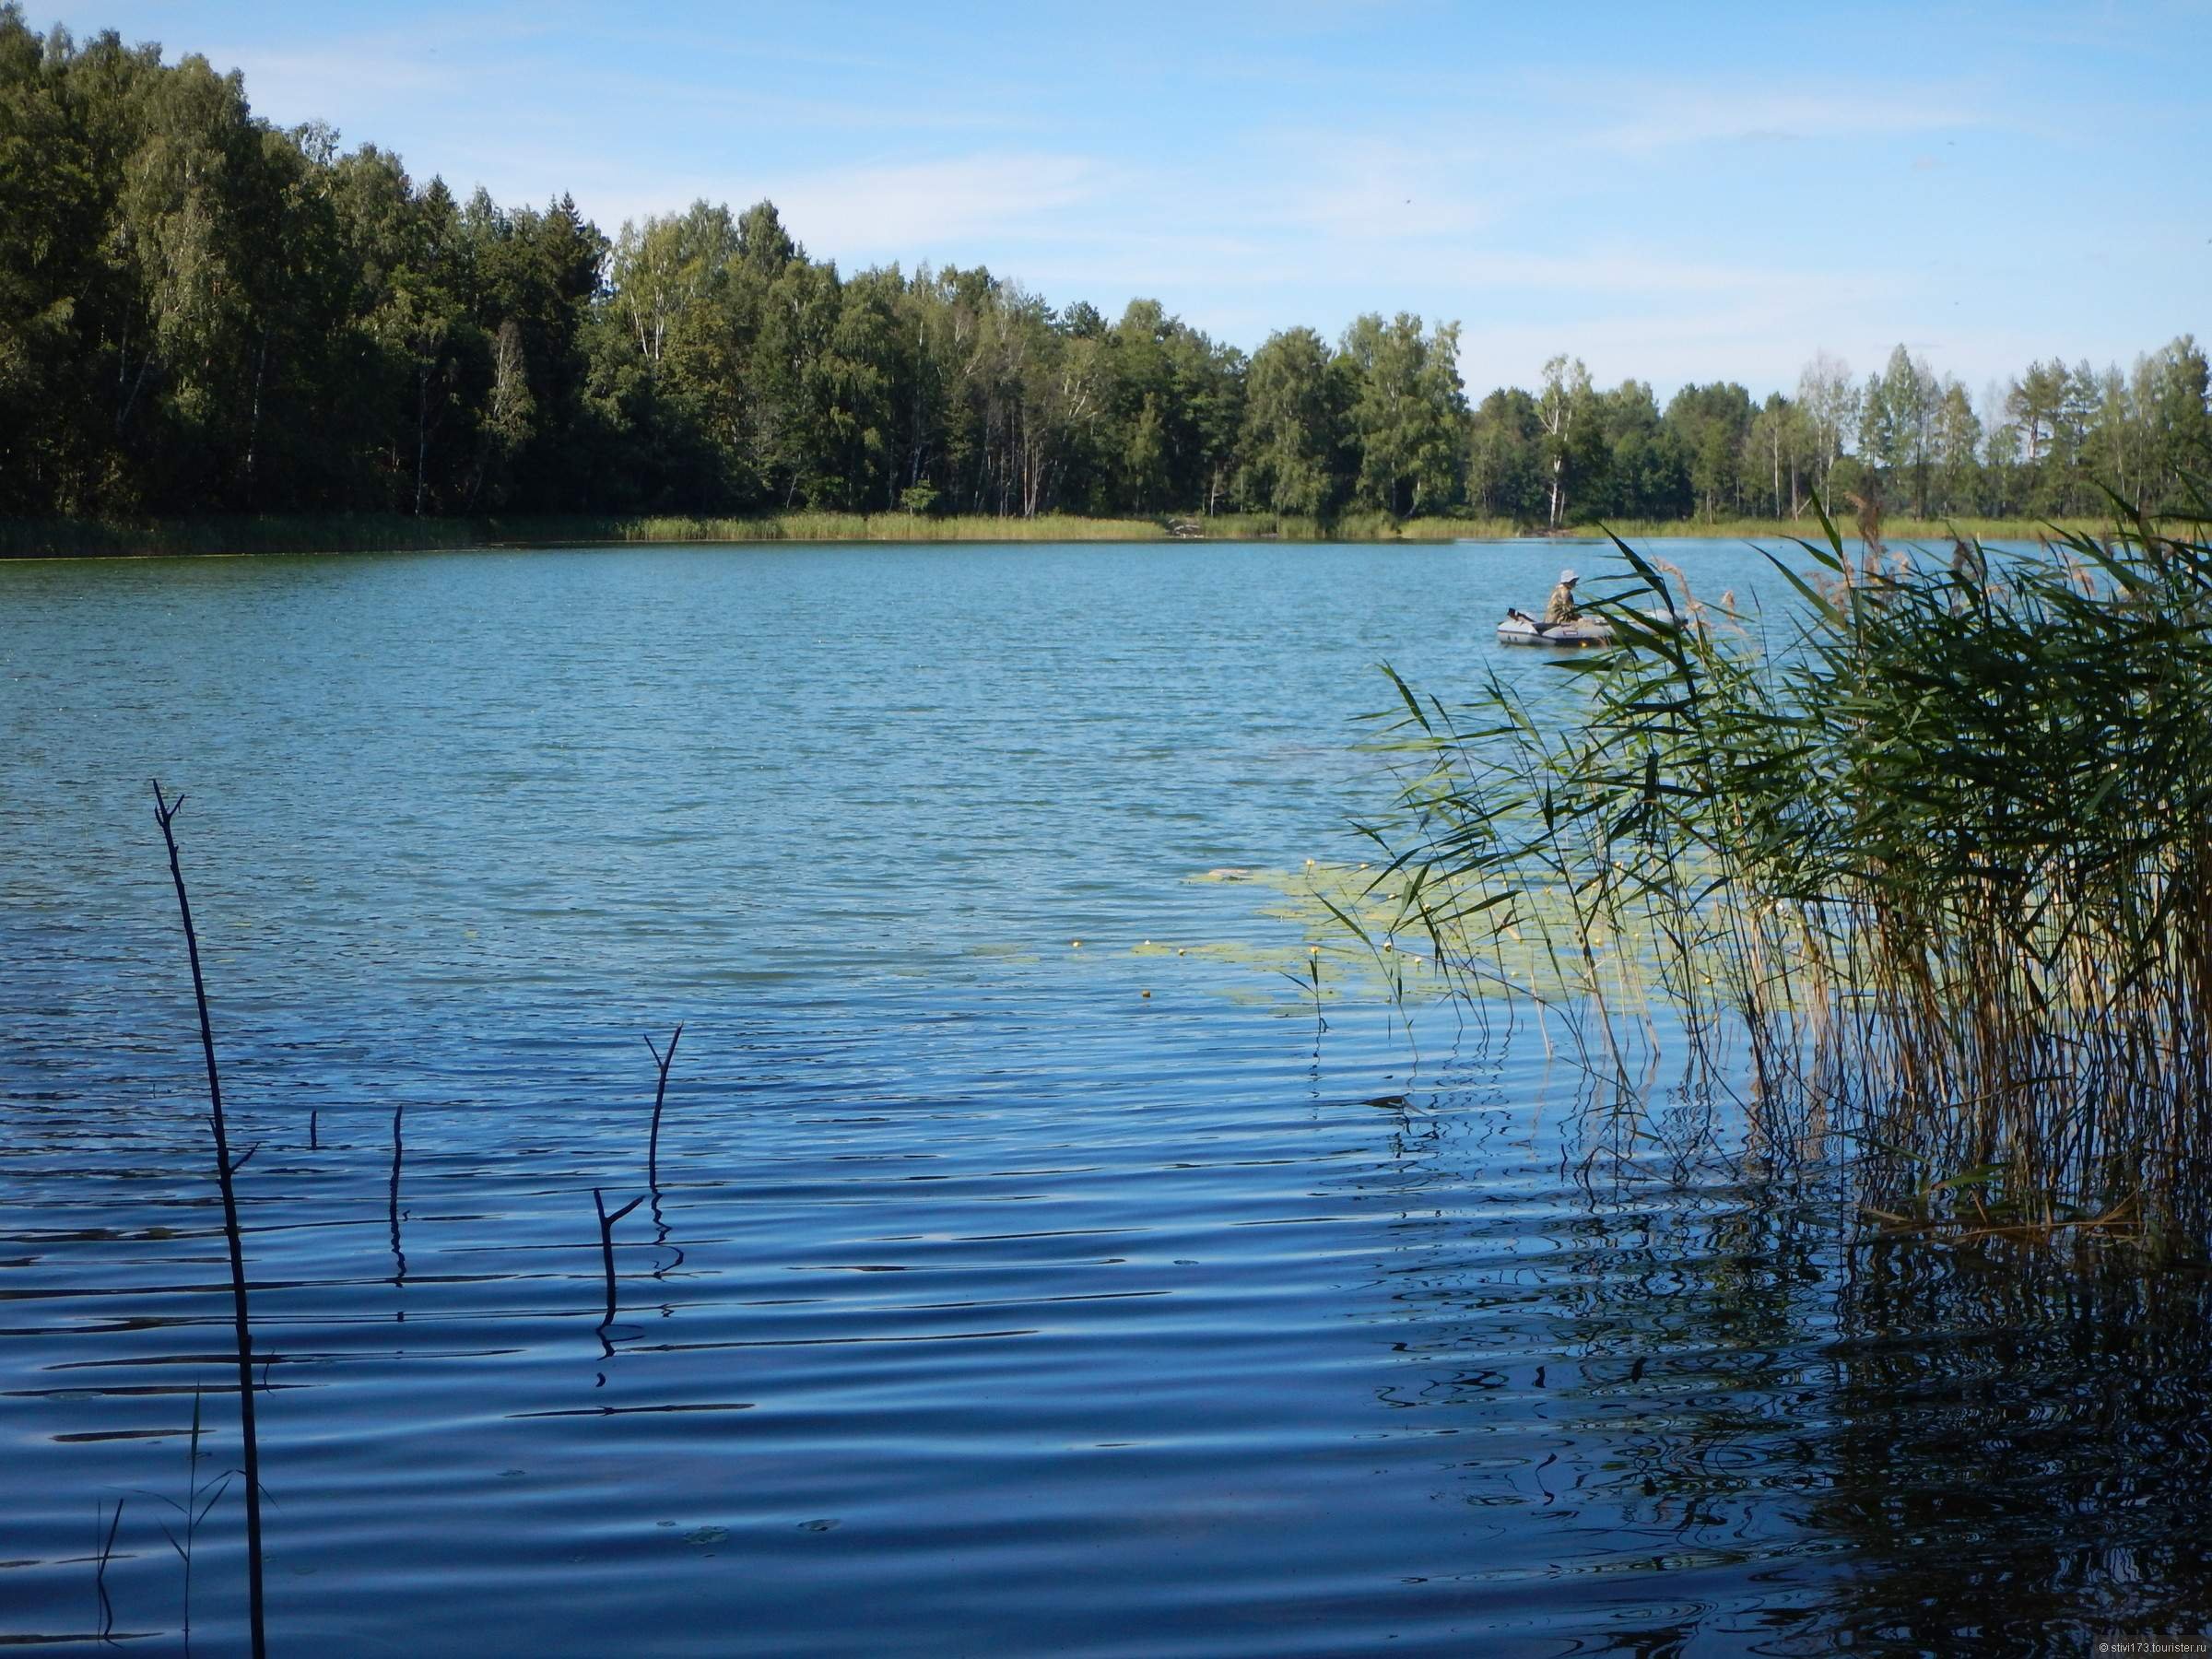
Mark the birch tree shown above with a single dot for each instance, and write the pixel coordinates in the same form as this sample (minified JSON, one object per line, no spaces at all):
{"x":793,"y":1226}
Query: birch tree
{"x":1564,"y":400}
{"x":1830,"y":397}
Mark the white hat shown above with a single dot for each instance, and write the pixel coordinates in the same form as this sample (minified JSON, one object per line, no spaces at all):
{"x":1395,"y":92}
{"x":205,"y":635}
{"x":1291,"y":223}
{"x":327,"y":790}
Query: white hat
{"x":1568,"y":576}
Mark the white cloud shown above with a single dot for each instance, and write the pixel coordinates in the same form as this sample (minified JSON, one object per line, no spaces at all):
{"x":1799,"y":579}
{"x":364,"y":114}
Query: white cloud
{"x":1678,"y":113}
{"x":1357,"y":188}
{"x":295,"y":86}
{"x":956,"y":209}
{"x":881,"y":210}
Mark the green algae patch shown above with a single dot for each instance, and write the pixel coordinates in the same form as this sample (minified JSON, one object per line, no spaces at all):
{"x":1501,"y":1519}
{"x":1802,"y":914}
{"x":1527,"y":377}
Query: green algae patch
{"x":1381,"y":930}
{"x":1019,"y":956}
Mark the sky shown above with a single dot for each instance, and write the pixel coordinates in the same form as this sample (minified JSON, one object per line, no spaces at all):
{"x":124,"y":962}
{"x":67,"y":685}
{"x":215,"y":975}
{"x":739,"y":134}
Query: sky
{"x":1672,"y":192}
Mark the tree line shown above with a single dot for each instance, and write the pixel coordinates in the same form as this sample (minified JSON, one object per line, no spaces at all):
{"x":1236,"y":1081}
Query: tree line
{"x":203,"y":313}
{"x":2047,"y":444}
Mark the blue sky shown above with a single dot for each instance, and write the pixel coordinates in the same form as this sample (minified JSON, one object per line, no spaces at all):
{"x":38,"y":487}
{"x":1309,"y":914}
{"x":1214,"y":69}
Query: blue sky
{"x":1669,"y":192}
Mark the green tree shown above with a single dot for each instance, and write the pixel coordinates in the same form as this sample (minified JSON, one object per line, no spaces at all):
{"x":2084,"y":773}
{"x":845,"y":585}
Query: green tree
{"x":1209,"y":384}
{"x":1714,"y":423}
{"x":1956,"y":441}
{"x":2034,"y":403}
{"x":1505,"y":465}
{"x":1780,"y":447}
{"x":52,"y":453}
{"x":1634,"y":467}
{"x":1896,"y":421}
{"x":2178,"y":405}
{"x":1406,"y":412}
{"x":1294,"y":412}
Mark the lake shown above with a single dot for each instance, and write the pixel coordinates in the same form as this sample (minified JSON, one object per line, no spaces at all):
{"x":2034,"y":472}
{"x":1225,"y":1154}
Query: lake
{"x":1016,"y":1284}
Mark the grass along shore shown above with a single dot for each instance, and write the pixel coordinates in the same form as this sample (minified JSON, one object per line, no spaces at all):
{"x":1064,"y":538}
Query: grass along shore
{"x":376,"y":533}
{"x":1899,"y":528}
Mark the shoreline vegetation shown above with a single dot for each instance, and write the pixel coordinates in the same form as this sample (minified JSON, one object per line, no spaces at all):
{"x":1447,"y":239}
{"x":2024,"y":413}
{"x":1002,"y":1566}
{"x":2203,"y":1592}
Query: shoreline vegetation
{"x":281,"y":534}
{"x":1919,"y":868}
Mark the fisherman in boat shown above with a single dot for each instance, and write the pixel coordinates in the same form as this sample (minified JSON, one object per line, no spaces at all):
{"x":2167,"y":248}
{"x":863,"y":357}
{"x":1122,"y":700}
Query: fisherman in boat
{"x":1559,"y":609}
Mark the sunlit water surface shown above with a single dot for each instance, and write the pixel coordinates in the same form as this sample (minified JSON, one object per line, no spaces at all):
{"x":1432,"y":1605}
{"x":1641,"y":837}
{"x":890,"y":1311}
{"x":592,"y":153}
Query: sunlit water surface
{"x":1001,"y":1295}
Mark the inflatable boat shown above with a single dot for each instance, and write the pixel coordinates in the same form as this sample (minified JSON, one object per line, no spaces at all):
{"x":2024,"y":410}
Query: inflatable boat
{"x":1521,"y":629}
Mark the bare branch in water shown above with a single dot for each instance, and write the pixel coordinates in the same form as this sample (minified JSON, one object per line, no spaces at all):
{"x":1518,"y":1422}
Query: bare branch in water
{"x":165,"y":813}
{"x":660,"y":1095}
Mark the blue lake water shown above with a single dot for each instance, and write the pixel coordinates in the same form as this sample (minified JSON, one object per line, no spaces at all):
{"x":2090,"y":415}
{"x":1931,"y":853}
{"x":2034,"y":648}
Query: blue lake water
{"x":1002,"y":1294}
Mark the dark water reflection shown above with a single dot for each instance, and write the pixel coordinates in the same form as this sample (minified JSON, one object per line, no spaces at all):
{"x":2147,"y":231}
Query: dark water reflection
{"x":2021,"y":1452}
{"x":987,"y":1305}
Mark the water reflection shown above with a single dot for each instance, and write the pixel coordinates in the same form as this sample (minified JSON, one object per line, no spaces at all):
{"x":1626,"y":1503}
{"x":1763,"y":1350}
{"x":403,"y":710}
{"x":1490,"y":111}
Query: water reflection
{"x":670,"y":1256}
{"x":2021,"y":1448}
{"x":1744,"y":1427}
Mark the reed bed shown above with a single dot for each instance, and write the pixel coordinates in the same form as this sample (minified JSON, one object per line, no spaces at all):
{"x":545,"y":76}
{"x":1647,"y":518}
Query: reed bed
{"x":875,"y":527}
{"x":1919,"y":863}
{"x":371,"y":533}
{"x":1354,"y":527}
{"x":1939,"y":530}
{"x":366,"y":533}
{"x":393,"y":532}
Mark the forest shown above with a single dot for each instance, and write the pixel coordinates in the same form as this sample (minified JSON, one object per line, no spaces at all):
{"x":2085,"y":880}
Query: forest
{"x":202,"y":312}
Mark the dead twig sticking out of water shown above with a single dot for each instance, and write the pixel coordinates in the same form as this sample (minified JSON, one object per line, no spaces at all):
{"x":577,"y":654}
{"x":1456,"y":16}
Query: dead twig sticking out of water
{"x":399,"y":1257}
{"x":105,"y":1546}
{"x":607,"y":1239}
{"x":225,"y":1171}
{"x":660,"y":1095}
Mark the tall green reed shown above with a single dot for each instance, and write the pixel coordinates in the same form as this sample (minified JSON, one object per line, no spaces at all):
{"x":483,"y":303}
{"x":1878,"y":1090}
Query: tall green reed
{"x":1922,"y":858}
